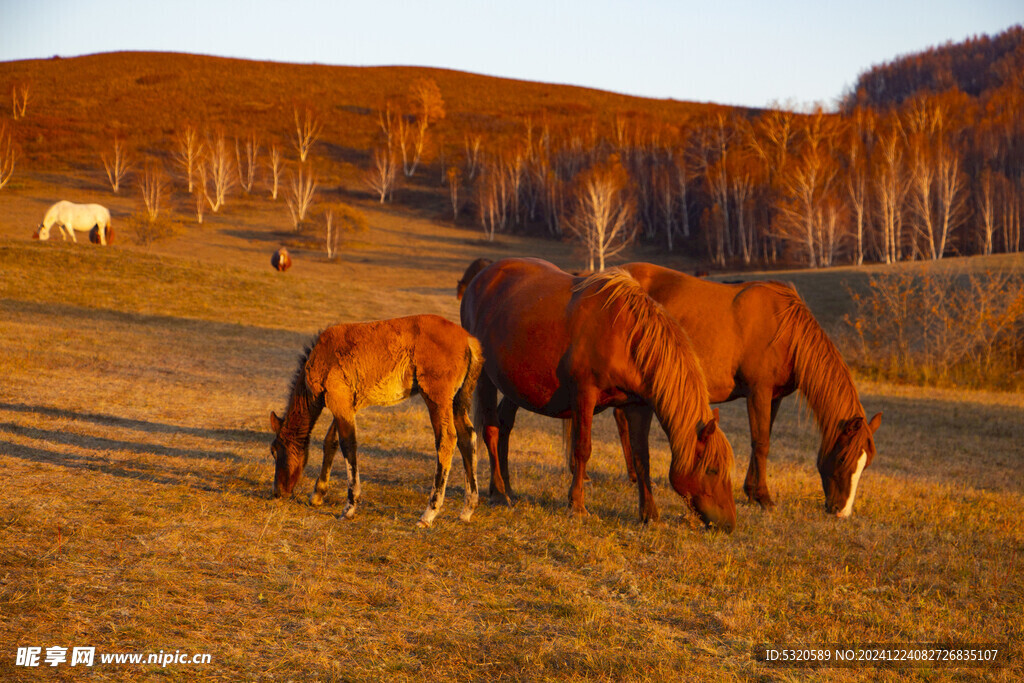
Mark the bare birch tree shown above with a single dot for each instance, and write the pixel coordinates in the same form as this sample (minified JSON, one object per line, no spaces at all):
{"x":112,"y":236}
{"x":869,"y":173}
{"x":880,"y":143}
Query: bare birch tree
{"x":429,"y":108}
{"x":276,"y":166}
{"x":246,"y":158}
{"x":380,"y":177}
{"x":8,"y":155}
{"x":189,"y":153}
{"x":454,"y":175}
{"x":602,"y":214}
{"x":19,"y":99}
{"x":218,"y":172}
{"x":154,"y":188}
{"x":889,"y":181}
{"x":301,"y":191}
{"x":117,"y":165}
{"x":307,"y":131}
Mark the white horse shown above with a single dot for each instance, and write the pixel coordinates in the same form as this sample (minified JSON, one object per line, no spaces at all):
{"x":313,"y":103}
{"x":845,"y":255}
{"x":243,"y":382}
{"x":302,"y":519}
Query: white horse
{"x":70,"y":217}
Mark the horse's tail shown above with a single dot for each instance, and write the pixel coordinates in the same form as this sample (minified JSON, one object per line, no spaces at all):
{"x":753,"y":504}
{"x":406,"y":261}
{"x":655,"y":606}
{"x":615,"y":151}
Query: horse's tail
{"x":474,"y":365}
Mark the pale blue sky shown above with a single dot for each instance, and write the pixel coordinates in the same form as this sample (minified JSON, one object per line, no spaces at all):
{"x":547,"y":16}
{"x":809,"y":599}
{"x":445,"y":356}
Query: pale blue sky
{"x":745,"y":52}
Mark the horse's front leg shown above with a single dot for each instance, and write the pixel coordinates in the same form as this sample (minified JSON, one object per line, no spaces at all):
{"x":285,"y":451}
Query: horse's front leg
{"x":582,"y":421}
{"x":761,"y":411}
{"x":443,"y":422}
{"x":71,"y":233}
{"x":637,"y":420}
{"x":330,"y":449}
{"x":467,"y":447}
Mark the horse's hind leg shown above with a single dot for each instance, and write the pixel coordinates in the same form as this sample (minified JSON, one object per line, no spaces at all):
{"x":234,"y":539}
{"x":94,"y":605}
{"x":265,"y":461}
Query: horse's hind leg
{"x":485,"y":400}
{"x":506,"y":422}
{"x":330,"y":449}
{"x":622,"y":424}
{"x":467,"y":447}
{"x":443,"y":422}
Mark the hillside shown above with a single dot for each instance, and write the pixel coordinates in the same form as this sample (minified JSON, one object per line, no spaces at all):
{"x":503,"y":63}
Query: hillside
{"x":77,"y":105}
{"x":977,"y":66}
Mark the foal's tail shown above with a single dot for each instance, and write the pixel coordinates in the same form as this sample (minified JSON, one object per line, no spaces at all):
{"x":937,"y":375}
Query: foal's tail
{"x":474,"y":364}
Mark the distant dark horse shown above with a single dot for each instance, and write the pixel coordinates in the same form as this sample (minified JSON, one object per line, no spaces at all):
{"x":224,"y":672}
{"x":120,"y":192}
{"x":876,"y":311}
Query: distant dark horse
{"x":567,"y":347}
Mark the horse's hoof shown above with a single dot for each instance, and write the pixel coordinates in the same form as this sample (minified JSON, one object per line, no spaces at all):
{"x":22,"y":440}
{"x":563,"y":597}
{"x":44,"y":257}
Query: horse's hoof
{"x":316,"y":499}
{"x":578,"y":511}
{"x":349,"y":512}
{"x":423,"y":525}
{"x":466,"y":515}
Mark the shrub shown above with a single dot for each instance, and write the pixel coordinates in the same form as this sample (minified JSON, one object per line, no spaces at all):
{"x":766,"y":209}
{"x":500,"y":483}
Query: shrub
{"x":941,"y":327}
{"x":144,"y":230}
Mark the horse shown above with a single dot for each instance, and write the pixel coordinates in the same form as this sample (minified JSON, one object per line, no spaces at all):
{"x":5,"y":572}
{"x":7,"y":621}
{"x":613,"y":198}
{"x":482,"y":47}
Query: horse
{"x":471,"y":272}
{"x":758,"y":340}
{"x":569,"y":347}
{"x":381,"y":363}
{"x":69,"y":217}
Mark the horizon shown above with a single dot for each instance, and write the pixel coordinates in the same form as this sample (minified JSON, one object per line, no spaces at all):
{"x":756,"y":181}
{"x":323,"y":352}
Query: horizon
{"x":637,"y":51}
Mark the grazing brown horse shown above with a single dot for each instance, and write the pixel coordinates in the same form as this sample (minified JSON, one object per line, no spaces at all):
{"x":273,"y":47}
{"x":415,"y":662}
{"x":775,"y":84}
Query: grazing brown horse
{"x":381,"y":363}
{"x":567,"y":347}
{"x":759,"y":341}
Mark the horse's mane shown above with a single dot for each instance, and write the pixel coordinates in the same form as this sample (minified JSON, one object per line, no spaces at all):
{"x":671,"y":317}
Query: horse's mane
{"x":822,"y":375}
{"x":665,"y":358}
{"x":298,"y":420}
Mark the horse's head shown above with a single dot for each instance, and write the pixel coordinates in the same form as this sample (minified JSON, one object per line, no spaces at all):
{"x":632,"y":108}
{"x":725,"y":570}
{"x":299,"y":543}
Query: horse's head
{"x":708,"y":486}
{"x":289,"y":459}
{"x":42,"y":232}
{"x":841,"y":466}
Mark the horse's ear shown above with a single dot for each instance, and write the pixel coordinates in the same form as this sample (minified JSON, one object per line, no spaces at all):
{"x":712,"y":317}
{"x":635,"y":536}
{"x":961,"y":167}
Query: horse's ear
{"x":275,"y":422}
{"x":875,"y":423}
{"x":853,"y":425}
{"x":708,"y":429}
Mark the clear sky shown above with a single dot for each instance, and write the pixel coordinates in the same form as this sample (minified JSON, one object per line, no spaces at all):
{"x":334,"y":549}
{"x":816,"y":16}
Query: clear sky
{"x":743,"y":52}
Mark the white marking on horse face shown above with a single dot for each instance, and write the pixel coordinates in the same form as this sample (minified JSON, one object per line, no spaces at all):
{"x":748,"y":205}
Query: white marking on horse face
{"x":854,"y":480}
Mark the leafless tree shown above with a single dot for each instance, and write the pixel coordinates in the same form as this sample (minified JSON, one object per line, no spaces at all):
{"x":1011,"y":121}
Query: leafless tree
{"x":890,"y":185}
{"x":602,"y":215}
{"x":8,"y":155}
{"x":246,"y":155}
{"x":218,"y":172}
{"x":200,"y":197}
{"x":340,"y":219}
{"x":301,"y":191}
{"x":118,"y":165}
{"x":429,"y":108}
{"x":19,"y":99}
{"x":154,"y":187}
{"x":454,"y":176}
{"x":473,"y":142}
{"x":189,"y":153}
{"x":307,"y":131}
{"x":276,"y":165}
{"x":381,"y":175}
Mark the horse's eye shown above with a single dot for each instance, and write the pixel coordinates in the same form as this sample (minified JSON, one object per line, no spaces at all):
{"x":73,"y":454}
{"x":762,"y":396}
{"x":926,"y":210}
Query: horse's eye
{"x":711,"y":471}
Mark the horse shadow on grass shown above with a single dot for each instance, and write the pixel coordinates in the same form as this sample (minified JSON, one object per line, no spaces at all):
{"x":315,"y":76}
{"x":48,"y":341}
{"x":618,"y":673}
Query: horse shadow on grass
{"x":92,"y":450}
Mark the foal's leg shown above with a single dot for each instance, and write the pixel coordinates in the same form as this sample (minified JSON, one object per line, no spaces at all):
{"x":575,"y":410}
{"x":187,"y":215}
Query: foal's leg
{"x":637,"y":421}
{"x":467,"y":447}
{"x":330,"y":448}
{"x":761,"y":411}
{"x":443,"y":422}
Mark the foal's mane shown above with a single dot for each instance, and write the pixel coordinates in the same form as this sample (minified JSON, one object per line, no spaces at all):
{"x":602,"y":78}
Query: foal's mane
{"x":822,"y":375}
{"x":665,"y":358}
{"x":298,"y":419}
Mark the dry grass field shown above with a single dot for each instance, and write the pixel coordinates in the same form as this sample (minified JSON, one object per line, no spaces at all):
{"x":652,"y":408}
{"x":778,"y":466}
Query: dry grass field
{"x":137,"y":515}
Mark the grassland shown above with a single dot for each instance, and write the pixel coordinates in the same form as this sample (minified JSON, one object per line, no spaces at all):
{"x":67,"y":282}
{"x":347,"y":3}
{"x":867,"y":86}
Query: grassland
{"x":138,"y":518}
{"x":135,"y":453}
